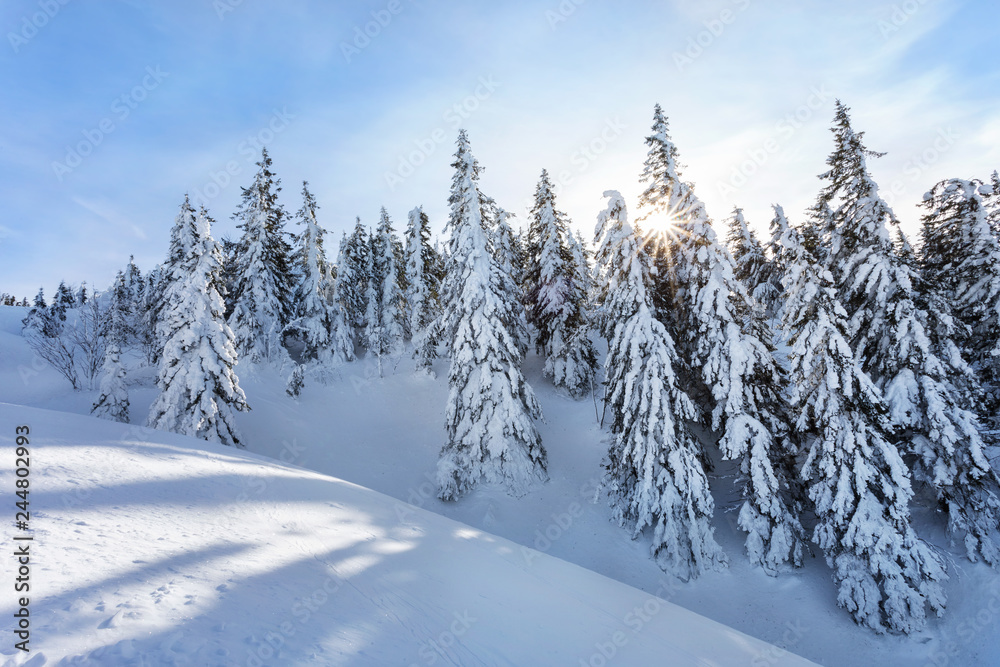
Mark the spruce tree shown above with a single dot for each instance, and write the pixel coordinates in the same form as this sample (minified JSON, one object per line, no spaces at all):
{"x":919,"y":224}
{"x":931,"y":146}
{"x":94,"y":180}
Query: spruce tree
{"x":856,"y":478}
{"x":313,"y":323}
{"x":489,"y":418}
{"x":771,"y":290}
{"x":384,"y":316}
{"x":729,"y":361}
{"x":343,"y":329}
{"x":197,"y":382}
{"x":960,"y":255}
{"x":915,"y":368}
{"x":555,"y":300}
{"x":423,"y":298}
{"x":654,"y":474}
{"x":502,"y":242}
{"x":113,"y":401}
{"x":750,"y":264}
{"x":262,"y":287}
{"x":353,"y":278}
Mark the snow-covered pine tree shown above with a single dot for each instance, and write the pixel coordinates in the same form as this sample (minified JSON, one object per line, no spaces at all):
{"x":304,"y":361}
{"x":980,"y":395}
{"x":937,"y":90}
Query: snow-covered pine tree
{"x":198,"y":386}
{"x":960,"y":255}
{"x":856,"y":478}
{"x":491,"y":408}
{"x":81,"y":295}
{"x":771,"y":294}
{"x":423,"y":298}
{"x":709,"y":315}
{"x":502,"y":245}
{"x":655,"y":477}
{"x":313,"y":321}
{"x":353,"y":278}
{"x":384,"y":316}
{"x":993,"y":203}
{"x":548,"y":281}
{"x":915,"y":369}
{"x":62,"y":301}
{"x":113,"y":401}
{"x":135,"y":292}
{"x":263,"y":281}
{"x":343,"y":330}
{"x":750,"y":264}
{"x":555,"y":300}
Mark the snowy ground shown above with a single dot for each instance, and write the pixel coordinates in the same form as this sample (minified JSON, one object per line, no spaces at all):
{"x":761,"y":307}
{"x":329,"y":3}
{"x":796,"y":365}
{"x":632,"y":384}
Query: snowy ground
{"x":385,"y":434}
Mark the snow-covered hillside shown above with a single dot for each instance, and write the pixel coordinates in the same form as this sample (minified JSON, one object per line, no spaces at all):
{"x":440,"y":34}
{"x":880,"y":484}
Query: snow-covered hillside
{"x":156,"y":549}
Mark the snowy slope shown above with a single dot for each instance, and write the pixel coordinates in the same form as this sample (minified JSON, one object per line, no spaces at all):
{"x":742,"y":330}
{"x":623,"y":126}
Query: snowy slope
{"x":155,"y":549}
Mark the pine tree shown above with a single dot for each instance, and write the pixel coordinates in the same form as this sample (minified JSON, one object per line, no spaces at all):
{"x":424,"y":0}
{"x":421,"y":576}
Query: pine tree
{"x":502,"y":244}
{"x":654,"y":474}
{"x":113,"y":402}
{"x":730,"y":365}
{"x":423,"y":299}
{"x":489,"y":418}
{"x":960,"y":255}
{"x":353,"y":278}
{"x":343,"y":330}
{"x":856,"y":478}
{"x":555,"y":301}
{"x":62,"y":301}
{"x":915,"y":369}
{"x":263,"y":282}
{"x":313,"y":323}
{"x":198,"y":386}
{"x":81,"y":295}
{"x":771,"y":288}
{"x":750,"y":264}
{"x":384,"y":326}
{"x":993,"y":203}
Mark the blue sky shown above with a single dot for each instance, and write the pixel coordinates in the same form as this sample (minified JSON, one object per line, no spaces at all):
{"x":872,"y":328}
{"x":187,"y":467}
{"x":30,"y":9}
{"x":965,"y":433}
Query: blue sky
{"x":164,"y":98}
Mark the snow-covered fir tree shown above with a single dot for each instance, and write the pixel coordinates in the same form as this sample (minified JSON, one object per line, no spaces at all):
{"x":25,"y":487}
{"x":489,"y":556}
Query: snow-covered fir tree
{"x":655,"y":477}
{"x":353,"y":278}
{"x":82,"y":295}
{"x":729,"y":361}
{"x":856,"y":478}
{"x":384,"y":316}
{"x":113,"y":402}
{"x":770,"y":291}
{"x":554,"y":298}
{"x":491,"y":408}
{"x":960,"y":255}
{"x":916,"y":370}
{"x":750,"y":263}
{"x":502,"y":241}
{"x":993,"y":203}
{"x":313,"y":322}
{"x":197,"y":383}
{"x":423,"y":292}
{"x":262,"y":287}
{"x":343,"y":330}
